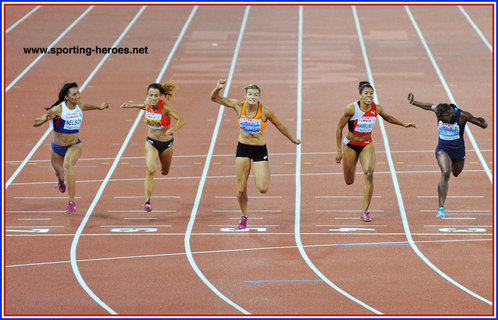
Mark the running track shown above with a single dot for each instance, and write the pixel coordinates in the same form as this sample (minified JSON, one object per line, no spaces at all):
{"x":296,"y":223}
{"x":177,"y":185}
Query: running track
{"x":306,"y":252}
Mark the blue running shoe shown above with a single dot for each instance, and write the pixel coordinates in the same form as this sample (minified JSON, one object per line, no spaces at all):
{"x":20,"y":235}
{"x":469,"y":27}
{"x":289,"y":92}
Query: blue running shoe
{"x":440,"y":213}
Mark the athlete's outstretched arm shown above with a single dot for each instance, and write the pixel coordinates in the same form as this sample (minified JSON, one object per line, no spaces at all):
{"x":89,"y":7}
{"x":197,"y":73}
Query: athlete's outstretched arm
{"x":423,"y":105}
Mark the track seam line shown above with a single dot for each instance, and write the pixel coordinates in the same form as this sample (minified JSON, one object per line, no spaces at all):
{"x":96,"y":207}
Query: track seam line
{"x":205,"y":170}
{"x":469,"y":19}
{"x":297,"y":221}
{"x":395,"y":179}
{"x":240,"y":250}
{"x":22,"y":19}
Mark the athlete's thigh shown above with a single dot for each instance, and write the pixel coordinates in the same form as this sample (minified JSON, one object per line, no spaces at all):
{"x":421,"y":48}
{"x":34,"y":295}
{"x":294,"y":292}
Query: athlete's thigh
{"x":367,"y":158}
{"x":349,"y":159}
{"x":151,"y":155}
{"x":457,"y":167}
{"x":165,"y":157}
{"x":73,"y":154}
{"x":261,"y":171}
{"x":444,"y":161}
{"x":242,"y":169}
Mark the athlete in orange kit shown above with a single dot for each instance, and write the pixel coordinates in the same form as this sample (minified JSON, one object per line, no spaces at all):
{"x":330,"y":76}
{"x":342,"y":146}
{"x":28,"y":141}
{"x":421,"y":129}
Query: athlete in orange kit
{"x":252,"y":118}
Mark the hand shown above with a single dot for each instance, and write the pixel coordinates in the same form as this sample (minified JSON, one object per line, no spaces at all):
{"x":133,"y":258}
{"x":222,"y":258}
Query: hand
{"x":409,"y":125}
{"x":221,"y":83}
{"x":125,"y":105}
{"x":104,"y":105}
{"x":411,"y":98}
{"x":50,"y":115}
{"x":297,"y":141}
{"x":483,"y":122}
{"x":338,"y":157}
{"x":169,"y":132}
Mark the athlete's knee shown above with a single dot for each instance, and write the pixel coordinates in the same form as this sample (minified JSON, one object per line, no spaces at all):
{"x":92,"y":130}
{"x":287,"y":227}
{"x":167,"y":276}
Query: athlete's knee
{"x":67,"y":166}
{"x":369,"y":174}
{"x":445,"y":173}
{"x":164,"y":171}
{"x":263,"y":188}
{"x":242,"y":193}
{"x":348,"y":180}
{"x":150,"y":171}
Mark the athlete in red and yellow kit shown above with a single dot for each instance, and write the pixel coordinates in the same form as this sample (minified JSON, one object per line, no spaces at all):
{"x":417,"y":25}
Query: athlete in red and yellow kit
{"x":252,"y":118}
{"x":159,"y":143}
{"x":360,"y":116}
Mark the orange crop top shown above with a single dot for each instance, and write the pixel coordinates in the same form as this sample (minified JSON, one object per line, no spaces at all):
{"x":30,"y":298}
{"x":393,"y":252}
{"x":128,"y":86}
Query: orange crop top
{"x":251,"y":125}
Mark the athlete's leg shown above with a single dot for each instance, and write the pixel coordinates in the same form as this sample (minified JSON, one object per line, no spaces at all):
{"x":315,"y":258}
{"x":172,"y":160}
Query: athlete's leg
{"x":367,"y":160}
{"x":72,"y":155}
{"x":151,"y":155}
{"x":58,"y":164}
{"x":349,"y":161}
{"x":445,"y":164}
{"x":165,"y":157}
{"x":242,"y":169}
{"x":457,"y":167}
{"x":261,"y":171}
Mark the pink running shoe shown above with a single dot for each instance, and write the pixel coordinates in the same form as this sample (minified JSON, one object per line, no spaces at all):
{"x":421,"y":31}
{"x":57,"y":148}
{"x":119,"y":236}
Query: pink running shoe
{"x":243,"y":222}
{"x":148,"y":207}
{"x":71,"y":207}
{"x":62,"y":186}
{"x":365,"y":216}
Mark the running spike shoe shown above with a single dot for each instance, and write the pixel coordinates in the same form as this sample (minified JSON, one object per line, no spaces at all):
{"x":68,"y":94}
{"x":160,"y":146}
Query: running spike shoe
{"x":243,"y":222}
{"x":71,"y":207}
{"x":365,"y":216}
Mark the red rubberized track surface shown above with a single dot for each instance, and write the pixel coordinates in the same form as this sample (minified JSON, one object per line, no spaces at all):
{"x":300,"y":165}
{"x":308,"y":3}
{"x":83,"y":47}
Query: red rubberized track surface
{"x":306,"y":252}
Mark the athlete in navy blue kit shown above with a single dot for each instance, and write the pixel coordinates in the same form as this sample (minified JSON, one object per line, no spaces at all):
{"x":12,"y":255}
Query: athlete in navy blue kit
{"x":450,"y":150}
{"x":65,"y":116}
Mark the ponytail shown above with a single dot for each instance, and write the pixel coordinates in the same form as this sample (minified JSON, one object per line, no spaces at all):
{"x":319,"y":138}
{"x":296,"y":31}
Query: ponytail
{"x":63,"y":93}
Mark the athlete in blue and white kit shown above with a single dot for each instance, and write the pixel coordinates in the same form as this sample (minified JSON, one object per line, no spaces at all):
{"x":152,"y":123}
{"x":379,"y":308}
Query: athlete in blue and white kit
{"x":450,"y":151}
{"x":65,"y":118}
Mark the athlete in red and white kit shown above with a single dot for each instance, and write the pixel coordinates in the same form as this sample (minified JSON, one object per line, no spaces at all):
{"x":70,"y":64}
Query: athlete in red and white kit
{"x":360,"y":116}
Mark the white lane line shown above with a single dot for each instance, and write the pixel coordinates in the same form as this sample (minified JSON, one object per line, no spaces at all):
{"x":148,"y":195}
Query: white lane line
{"x":249,"y":210}
{"x":12,"y":162}
{"x":49,"y":47}
{"x":344,"y":197}
{"x":251,"y":197}
{"x":138,"y":197}
{"x":133,"y":211}
{"x":205,"y":170}
{"x":481,"y":35}
{"x":456,"y":197}
{"x":34,"y":197}
{"x":473,"y":211}
{"x":395,"y":179}
{"x":450,"y":95}
{"x":161,"y":255}
{"x":74,"y":244}
{"x":274,"y":175}
{"x":297,"y":223}
{"x":22,"y":19}
{"x":346,"y":210}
